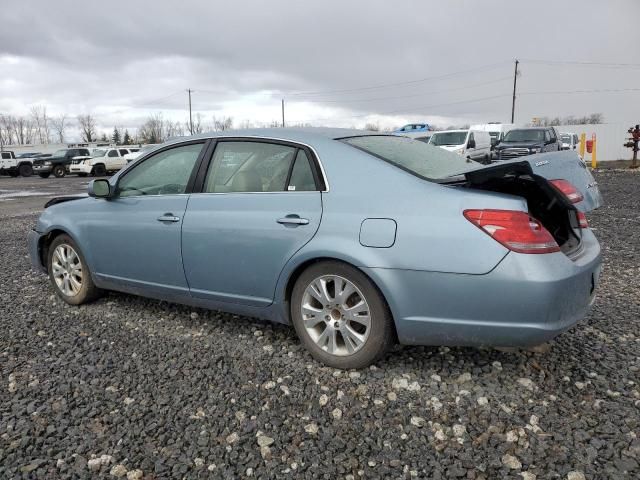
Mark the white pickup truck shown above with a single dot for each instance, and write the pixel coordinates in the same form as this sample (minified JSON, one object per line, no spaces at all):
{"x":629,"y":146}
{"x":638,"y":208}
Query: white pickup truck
{"x":100,"y":162}
{"x":12,"y":166}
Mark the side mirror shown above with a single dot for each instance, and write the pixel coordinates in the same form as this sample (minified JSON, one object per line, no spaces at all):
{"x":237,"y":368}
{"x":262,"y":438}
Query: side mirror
{"x":471,"y":144}
{"x":99,"y":188}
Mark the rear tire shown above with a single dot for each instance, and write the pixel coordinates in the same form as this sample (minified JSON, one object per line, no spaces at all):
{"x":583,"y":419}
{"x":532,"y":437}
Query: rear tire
{"x":25,"y":170}
{"x":82,"y":174}
{"x":59,"y":171}
{"x":340,"y":316}
{"x":13,"y":173}
{"x":44,"y":175}
{"x":69,"y":273}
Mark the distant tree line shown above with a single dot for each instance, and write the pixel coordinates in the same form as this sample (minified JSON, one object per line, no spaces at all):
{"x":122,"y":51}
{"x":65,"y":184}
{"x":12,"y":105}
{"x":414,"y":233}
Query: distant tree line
{"x":591,"y":119}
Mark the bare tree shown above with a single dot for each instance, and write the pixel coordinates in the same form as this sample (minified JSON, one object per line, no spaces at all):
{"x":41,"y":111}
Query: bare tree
{"x":373,"y":127}
{"x":223,"y":123}
{"x":153,"y":130}
{"x":40,"y":123}
{"x":88,"y":127}
{"x":59,"y":125}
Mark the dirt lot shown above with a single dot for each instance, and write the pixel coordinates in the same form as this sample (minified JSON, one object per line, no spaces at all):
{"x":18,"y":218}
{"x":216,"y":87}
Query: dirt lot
{"x":129,"y":386}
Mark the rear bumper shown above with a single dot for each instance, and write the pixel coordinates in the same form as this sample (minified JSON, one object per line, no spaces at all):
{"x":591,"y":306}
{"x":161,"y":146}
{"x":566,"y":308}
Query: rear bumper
{"x":526,"y":300}
{"x":33,"y":243}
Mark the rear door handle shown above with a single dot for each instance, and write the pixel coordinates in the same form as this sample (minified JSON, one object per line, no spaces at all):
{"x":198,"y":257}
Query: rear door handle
{"x":168,"y":217}
{"x":293,"y":220}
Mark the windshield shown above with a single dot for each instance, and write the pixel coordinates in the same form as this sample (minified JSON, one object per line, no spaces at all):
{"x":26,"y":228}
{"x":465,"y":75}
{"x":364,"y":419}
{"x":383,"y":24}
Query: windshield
{"x":60,"y":153}
{"x":448,"y":138}
{"x":565,"y":138}
{"x":98,"y":152}
{"x":524,"y":136}
{"x":419,"y":158}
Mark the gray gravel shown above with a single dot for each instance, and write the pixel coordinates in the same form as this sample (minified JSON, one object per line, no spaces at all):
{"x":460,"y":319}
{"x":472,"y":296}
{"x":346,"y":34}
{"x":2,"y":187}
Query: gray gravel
{"x":134,"y":388}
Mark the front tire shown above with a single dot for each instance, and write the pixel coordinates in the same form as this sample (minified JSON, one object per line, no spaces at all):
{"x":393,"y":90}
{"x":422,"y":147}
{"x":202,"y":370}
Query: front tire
{"x":99,"y":171}
{"x":68,"y":272}
{"x":340,"y":316}
{"x":59,"y":171}
{"x":25,"y":170}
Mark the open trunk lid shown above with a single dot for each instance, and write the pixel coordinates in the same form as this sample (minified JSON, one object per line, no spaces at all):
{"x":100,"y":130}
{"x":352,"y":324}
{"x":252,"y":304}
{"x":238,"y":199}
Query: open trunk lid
{"x":531,"y":178}
{"x":561,"y":165}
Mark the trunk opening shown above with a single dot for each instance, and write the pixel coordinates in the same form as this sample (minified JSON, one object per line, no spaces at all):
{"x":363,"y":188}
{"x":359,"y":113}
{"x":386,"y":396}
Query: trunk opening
{"x":546,"y":204}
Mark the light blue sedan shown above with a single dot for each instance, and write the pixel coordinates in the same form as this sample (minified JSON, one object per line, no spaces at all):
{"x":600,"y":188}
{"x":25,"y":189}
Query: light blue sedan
{"x":358,"y":239}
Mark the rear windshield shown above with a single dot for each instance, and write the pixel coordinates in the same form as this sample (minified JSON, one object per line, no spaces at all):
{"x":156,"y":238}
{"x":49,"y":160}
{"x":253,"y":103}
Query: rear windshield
{"x":524,"y":136}
{"x":448,"y":138}
{"x":419,"y":158}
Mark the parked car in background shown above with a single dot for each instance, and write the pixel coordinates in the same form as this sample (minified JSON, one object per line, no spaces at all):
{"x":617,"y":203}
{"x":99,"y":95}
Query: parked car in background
{"x":496,"y":130}
{"x":100,"y":162}
{"x":569,"y":141}
{"x":292,"y":234}
{"x":413,"y":128}
{"x":527,"y":141}
{"x":135,"y":154}
{"x":473,"y":144}
{"x":15,"y":166}
{"x":28,"y":155}
{"x":59,"y":162}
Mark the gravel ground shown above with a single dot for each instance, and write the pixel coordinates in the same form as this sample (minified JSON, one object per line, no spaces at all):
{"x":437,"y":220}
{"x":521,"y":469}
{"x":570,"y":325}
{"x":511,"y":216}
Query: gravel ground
{"x":134,"y":388}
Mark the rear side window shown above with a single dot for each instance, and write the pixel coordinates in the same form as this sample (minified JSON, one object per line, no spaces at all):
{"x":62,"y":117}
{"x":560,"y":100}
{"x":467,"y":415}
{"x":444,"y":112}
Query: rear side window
{"x":301,"y":175}
{"x":113,"y":153}
{"x":123,"y":152}
{"x":6,"y":155}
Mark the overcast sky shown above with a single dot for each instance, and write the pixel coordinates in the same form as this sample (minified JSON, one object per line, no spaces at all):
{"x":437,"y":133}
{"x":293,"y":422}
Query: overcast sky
{"x":337,"y":63}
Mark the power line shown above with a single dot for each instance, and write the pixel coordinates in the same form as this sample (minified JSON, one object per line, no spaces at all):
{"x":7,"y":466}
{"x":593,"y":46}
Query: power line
{"x":568,"y":92}
{"x":578,"y":63}
{"x":397,"y":84}
{"x":404,"y":110}
{"x":357,"y":100}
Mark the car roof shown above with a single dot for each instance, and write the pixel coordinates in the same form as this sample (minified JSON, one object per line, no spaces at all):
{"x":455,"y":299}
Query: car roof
{"x":303,"y":135}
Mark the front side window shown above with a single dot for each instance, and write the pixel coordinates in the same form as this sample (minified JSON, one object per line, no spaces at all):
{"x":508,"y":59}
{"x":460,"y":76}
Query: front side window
{"x":165,"y":173}
{"x":249,"y":167}
{"x":98,"y":152}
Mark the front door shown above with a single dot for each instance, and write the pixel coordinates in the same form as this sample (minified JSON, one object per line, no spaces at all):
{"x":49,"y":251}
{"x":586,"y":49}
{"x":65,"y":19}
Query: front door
{"x":135,"y":236}
{"x":260,"y":203}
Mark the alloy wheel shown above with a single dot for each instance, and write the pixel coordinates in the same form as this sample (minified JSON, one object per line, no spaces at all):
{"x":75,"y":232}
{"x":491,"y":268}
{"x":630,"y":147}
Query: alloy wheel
{"x":336,"y":315}
{"x":67,"y":270}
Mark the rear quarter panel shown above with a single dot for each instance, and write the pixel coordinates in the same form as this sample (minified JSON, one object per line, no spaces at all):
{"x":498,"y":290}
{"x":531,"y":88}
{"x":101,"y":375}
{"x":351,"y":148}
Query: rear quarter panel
{"x":432,"y":233}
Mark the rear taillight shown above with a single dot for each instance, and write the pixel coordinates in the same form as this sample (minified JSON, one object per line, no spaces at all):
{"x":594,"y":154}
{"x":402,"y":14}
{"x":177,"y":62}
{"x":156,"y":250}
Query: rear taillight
{"x":514,"y":229}
{"x":582,"y":220}
{"x":568,"y":190}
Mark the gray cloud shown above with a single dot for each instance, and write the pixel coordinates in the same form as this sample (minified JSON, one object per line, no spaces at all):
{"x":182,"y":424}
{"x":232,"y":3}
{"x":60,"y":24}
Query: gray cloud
{"x":124,"y":59}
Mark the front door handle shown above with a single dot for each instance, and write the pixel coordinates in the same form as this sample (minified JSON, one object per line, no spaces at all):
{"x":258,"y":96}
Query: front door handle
{"x":293,"y":220}
{"x":168,"y":217}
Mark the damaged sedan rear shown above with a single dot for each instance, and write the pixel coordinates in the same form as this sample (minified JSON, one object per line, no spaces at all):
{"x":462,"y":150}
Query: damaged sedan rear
{"x":357,"y":239}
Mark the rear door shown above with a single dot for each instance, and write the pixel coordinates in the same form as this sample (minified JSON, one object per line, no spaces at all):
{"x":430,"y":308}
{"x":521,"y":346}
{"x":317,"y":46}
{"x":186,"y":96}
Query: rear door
{"x":260,"y":202}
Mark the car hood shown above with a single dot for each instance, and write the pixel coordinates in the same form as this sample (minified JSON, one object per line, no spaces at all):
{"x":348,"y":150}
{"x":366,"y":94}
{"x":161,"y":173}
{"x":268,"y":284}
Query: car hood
{"x":562,"y":164}
{"x":503,"y":145}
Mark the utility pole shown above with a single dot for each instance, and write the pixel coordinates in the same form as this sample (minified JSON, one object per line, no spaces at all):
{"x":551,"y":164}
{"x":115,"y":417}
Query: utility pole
{"x":515,"y":81}
{"x":283,"y":113}
{"x":190,"y":117}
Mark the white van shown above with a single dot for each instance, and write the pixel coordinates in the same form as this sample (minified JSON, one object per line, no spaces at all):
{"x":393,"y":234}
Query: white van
{"x":473,"y":144}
